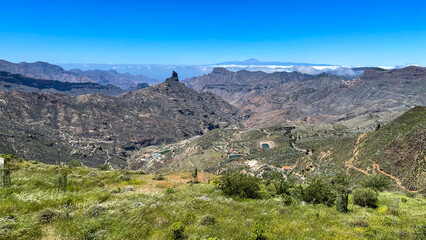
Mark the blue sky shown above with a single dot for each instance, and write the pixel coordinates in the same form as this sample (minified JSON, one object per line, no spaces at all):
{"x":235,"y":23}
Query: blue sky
{"x":356,"y":33}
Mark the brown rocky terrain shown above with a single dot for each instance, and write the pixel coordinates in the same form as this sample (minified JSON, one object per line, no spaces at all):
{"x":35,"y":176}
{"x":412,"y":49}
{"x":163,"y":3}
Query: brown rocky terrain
{"x":98,"y":128}
{"x":280,"y":96}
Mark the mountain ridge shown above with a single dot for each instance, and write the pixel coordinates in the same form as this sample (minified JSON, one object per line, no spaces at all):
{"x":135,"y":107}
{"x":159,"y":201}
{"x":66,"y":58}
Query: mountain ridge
{"x":44,"y":70}
{"x":281,"y":96}
{"x":16,"y":82}
{"x":97,"y":128}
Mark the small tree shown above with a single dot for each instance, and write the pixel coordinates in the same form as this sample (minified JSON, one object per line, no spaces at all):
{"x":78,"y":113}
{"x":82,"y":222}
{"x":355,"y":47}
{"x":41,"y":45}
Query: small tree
{"x":61,"y":181}
{"x":195,"y":176}
{"x":342,"y":200}
{"x":340,"y":183}
{"x":6,"y":171}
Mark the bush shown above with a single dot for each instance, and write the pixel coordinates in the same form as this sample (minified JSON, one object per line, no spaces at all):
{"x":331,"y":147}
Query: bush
{"x":365,"y":197}
{"x":370,"y":231}
{"x":403,"y":200}
{"x":287,"y":200}
{"x":420,"y":232}
{"x":104,"y":167}
{"x":340,"y":180}
{"x":170,"y":190}
{"x":387,"y":221}
{"x":125,"y":177}
{"x":240,"y":185}
{"x":281,"y":184}
{"x":318,"y":191}
{"x":47,"y":215}
{"x":208,"y":220}
{"x":258,"y":232}
{"x":411,"y":194}
{"x":177,"y":231}
{"x":377,"y":182}
{"x":74,"y":163}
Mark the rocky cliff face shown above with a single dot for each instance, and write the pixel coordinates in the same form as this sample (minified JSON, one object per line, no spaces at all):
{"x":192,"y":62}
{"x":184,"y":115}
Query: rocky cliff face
{"x":283,"y":96}
{"x":99,"y":128}
{"x":44,"y":70}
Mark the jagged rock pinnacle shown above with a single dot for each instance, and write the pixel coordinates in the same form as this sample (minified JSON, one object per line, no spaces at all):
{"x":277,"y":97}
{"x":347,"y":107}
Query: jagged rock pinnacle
{"x":174,"y":77}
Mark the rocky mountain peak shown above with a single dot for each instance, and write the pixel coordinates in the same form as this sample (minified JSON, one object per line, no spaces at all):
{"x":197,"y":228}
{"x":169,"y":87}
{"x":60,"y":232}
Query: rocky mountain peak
{"x":173,"y":78}
{"x":221,"y":70}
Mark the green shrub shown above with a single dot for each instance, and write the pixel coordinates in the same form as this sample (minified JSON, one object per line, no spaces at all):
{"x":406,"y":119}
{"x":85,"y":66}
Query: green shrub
{"x":340,"y":180}
{"x":403,"y":200}
{"x":74,"y":163}
{"x":378,"y":182}
{"x":319,"y":191}
{"x":296,"y":192}
{"x":370,"y":232}
{"x":170,"y":191}
{"x":177,"y":231}
{"x":281,"y":184}
{"x":287,"y":200}
{"x":258,"y":232}
{"x":104,"y":167}
{"x":125,"y":177}
{"x":365,"y":197}
{"x":240,"y":185}
{"x":387,"y":221}
{"x":411,"y":194}
{"x":420,"y":232}
{"x":207,"y":219}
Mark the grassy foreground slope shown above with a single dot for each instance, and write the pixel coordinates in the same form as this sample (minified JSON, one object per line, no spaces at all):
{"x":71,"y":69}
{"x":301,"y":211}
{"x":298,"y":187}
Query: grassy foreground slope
{"x":93,"y":208}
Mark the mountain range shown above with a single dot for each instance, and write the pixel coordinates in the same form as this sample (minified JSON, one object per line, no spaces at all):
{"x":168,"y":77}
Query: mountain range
{"x":16,"y":82}
{"x":159,"y":71}
{"x":98,"y":129}
{"x":280,"y":96}
{"x":47,"y":71}
{"x":53,"y":121}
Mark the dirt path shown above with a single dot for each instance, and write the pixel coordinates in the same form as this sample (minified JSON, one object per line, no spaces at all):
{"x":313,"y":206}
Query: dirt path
{"x":349,"y":164}
{"x":397,"y":180}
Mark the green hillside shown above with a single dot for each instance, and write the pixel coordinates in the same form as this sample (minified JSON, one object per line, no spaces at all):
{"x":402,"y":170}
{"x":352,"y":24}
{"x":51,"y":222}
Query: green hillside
{"x":399,"y":148}
{"x":101,"y":205}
